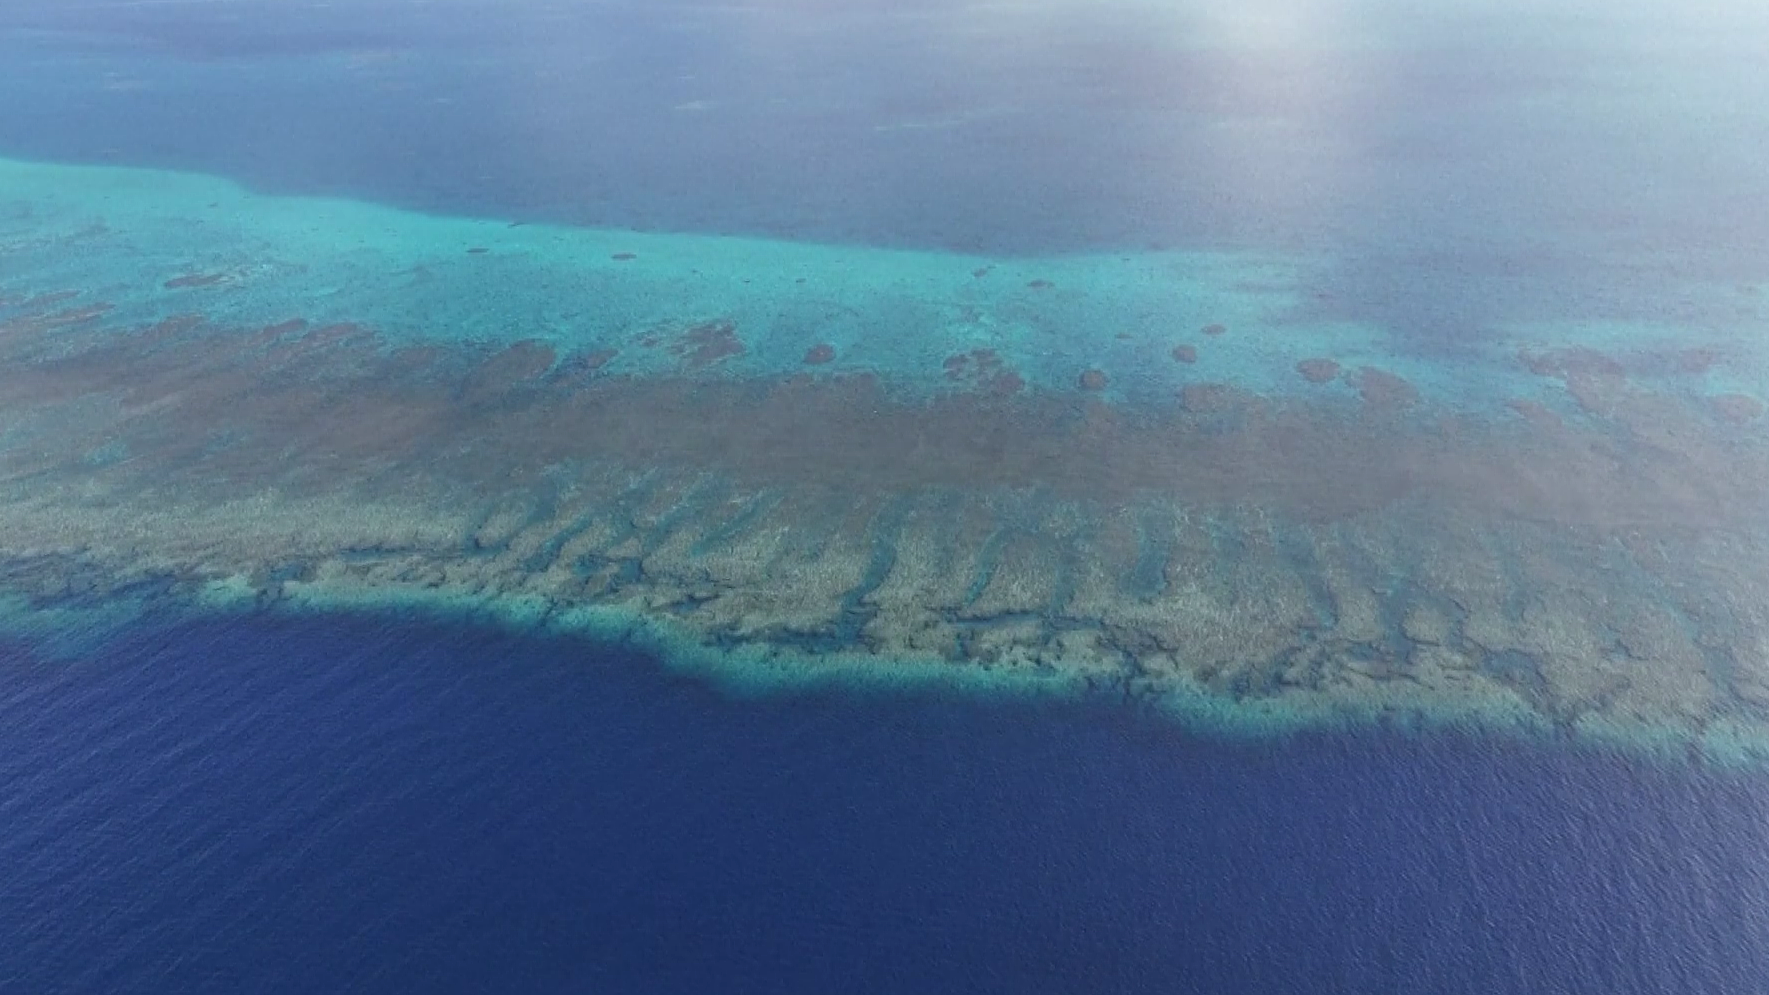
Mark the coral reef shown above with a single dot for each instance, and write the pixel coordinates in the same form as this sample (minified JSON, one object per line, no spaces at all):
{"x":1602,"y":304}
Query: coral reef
{"x":1301,"y":561}
{"x":195,"y":280}
{"x":1203,"y":398}
{"x":523,"y":362}
{"x":1738,"y":408}
{"x":1382,"y":389}
{"x":706,"y":343}
{"x":1537,"y":413}
{"x":1318,"y":370}
{"x":585,"y":363}
{"x":983,"y":369}
{"x":1573,"y":361}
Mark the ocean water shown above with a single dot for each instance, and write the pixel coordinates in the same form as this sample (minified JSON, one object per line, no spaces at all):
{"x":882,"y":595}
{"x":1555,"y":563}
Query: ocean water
{"x":1029,"y":496}
{"x":363,"y":803}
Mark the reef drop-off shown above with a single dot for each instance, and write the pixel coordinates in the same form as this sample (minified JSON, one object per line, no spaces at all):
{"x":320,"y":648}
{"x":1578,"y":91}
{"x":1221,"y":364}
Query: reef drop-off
{"x":1582,"y":551}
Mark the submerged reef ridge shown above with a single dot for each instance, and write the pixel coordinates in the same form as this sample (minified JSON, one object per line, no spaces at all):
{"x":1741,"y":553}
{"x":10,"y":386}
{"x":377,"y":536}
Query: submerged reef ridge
{"x":1590,"y":558}
{"x":1285,"y":563}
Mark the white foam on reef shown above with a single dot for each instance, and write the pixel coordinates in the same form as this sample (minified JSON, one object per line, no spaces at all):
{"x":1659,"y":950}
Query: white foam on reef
{"x":120,"y":234}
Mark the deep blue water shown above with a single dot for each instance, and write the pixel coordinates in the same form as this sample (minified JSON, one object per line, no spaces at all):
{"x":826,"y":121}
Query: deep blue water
{"x":363,"y":804}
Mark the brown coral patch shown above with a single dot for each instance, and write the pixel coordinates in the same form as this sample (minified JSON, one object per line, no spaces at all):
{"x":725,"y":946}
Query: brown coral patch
{"x":591,"y":361}
{"x":1004,"y":383}
{"x":355,"y":411}
{"x":81,"y":315}
{"x":984,"y":370}
{"x":1382,"y":389}
{"x":270,"y":333}
{"x":707,"y":343}
{"x":51,"y":299}
{"x":1093,"y":380}
{"x":1214,"y":330}
{"x":1599,"y":394}
{"x":521,"y":363}
{"x":175,"y":327}
{"x":1536,"y":413}
{"x":1598,"y":382}
{"x":415,"y":361}
{"x":322,"y":340}
{"x":195,"y":280}
{"x":1695,"y":361}
{"x":1738,"y":408}
{"x":819,"y":354}
{"x":1317,"y":370}
{"x":30,"y":323}
{"x":1572,"y":361}
{"x":329,"y":335}
{"x":1185,"y":354}
{"x":1642,"y":362}
{"x":1210,"y":398}
{"x":576,"y":369}
{"x":36,"y":319}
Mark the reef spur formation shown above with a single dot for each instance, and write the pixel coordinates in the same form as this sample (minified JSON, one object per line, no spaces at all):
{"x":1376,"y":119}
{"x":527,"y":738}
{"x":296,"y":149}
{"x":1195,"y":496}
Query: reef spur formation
{"x":1588,"y":552}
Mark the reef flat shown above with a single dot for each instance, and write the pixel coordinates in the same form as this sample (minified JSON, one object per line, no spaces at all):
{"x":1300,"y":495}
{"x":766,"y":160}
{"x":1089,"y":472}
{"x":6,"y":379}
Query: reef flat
{"x":1141,"y":474}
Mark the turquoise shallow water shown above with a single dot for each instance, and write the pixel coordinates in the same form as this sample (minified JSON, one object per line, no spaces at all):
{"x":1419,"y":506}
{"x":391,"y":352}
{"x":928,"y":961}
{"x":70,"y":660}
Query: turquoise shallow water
{"x":129,"y":237}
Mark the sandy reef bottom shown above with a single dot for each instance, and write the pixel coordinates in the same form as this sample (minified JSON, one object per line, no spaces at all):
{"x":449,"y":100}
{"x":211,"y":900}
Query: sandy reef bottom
{"x":1251,"y":563}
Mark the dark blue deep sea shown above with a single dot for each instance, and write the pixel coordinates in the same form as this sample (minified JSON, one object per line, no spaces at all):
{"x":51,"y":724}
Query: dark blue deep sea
{"x":371,"y":804}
